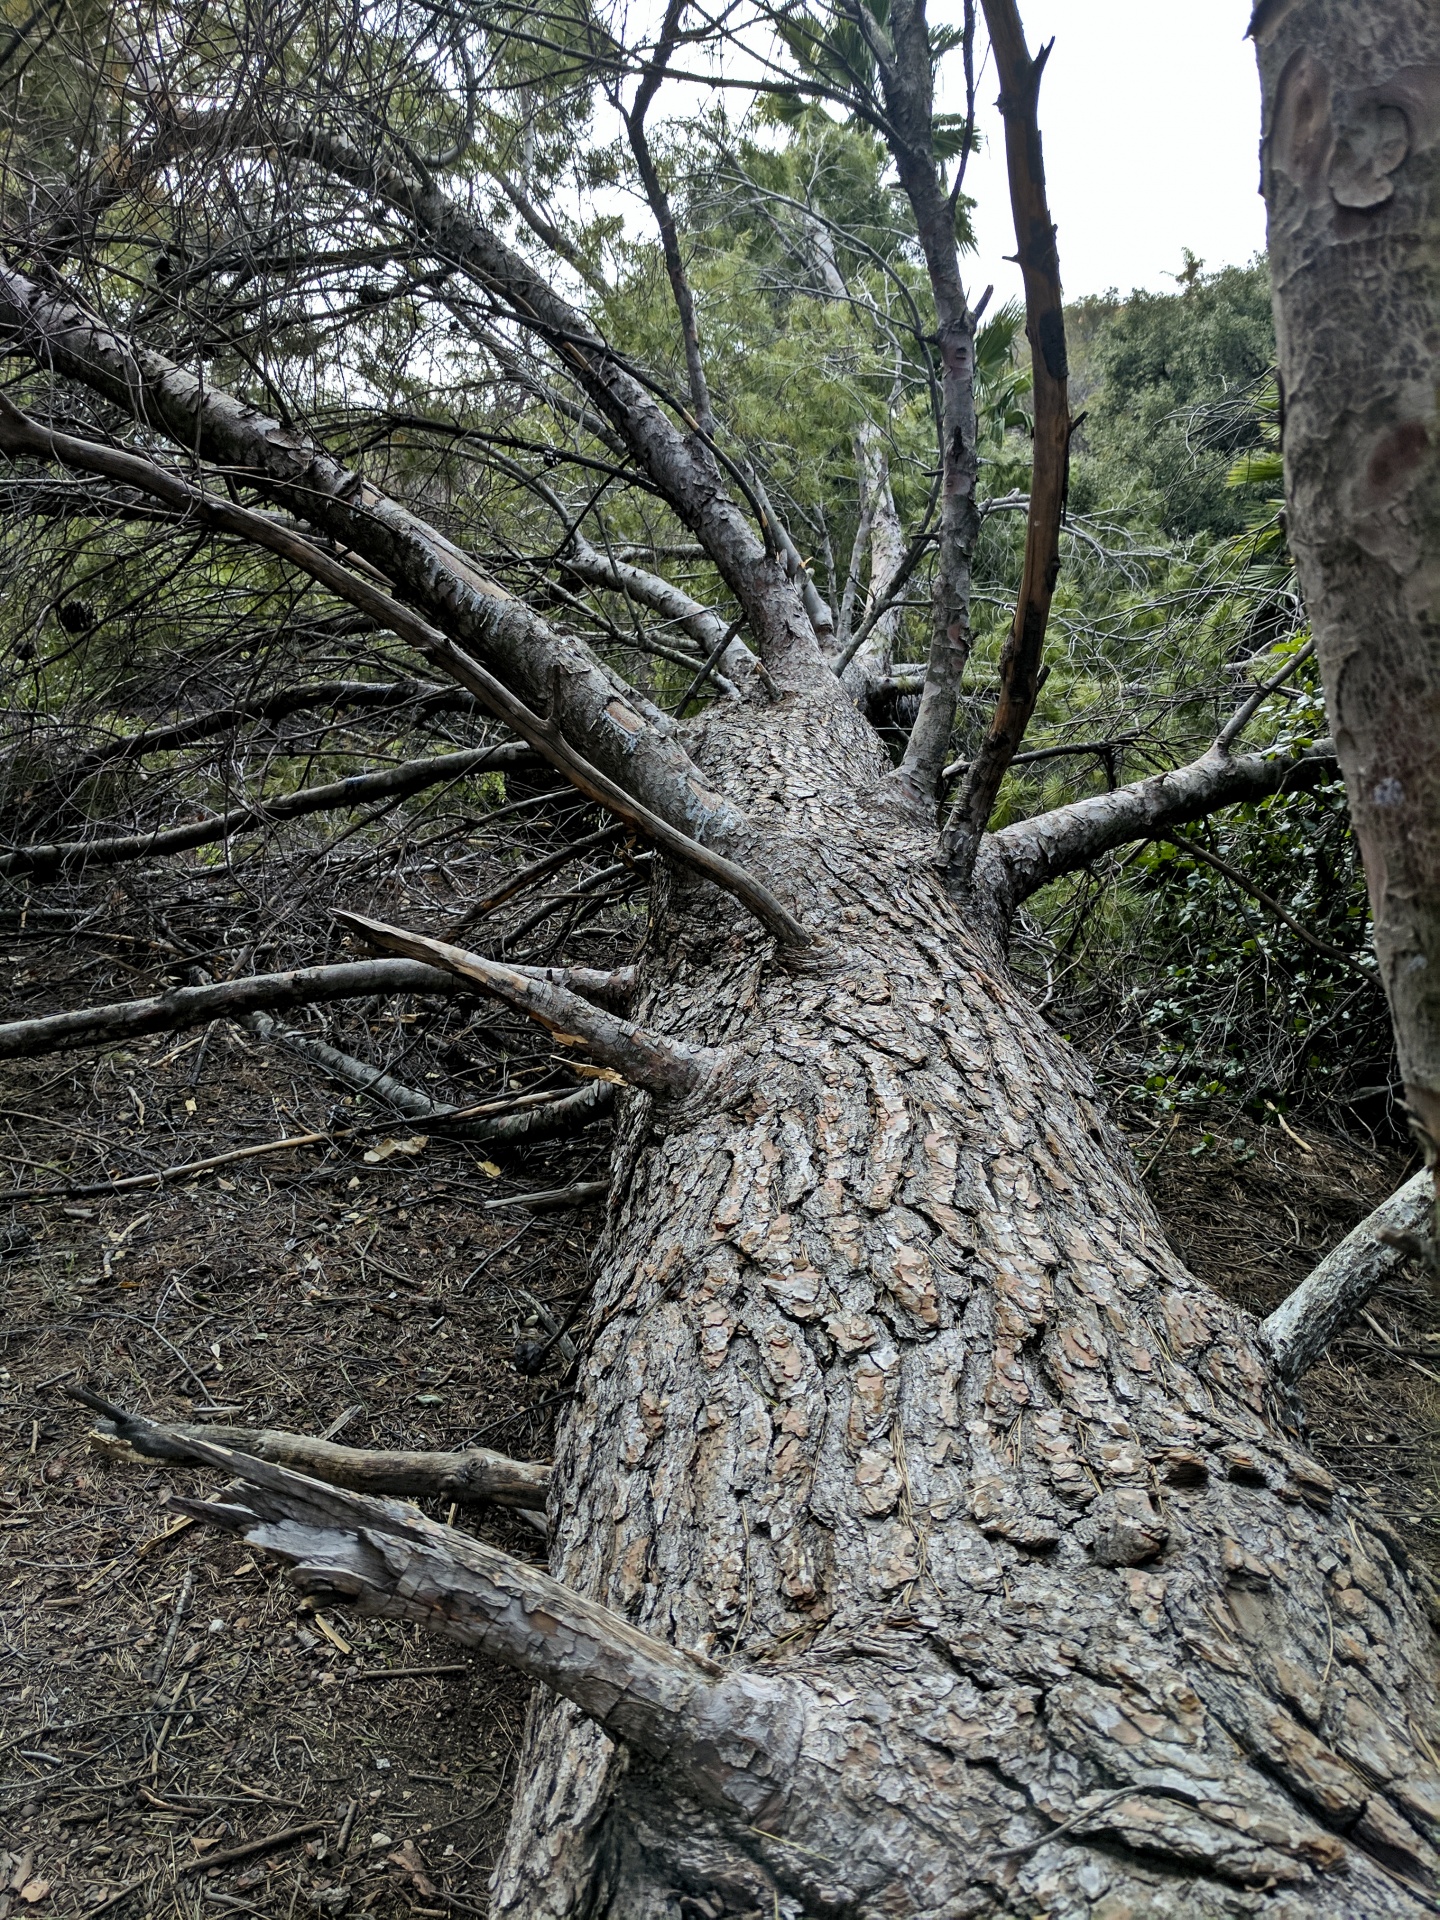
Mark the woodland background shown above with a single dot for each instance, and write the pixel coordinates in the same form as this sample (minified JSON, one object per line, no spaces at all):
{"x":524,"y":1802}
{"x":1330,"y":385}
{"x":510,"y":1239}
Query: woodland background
{"x":389,"y":1283}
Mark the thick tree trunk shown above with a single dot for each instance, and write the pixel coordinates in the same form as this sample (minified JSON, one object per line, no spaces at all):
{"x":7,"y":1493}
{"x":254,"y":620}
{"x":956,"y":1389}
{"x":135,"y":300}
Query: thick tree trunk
{"x":894,"y":1395}
{"x":1351,"y":174}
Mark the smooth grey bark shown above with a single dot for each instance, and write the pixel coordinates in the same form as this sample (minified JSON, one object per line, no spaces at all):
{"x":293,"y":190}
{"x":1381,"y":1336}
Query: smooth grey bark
{"x":1018,"y":860}
{"x":1307,"y":1320}
{"x":1350,"y":162}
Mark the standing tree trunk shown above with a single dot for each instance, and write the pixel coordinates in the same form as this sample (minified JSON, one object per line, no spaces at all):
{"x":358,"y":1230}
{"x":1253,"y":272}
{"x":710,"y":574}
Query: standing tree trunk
{"x":895,"y":1397}
{"x":1351,"y":175}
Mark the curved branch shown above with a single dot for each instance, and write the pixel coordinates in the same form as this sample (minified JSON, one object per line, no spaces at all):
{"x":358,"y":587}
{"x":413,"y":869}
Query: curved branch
{"x":1019,"y":860}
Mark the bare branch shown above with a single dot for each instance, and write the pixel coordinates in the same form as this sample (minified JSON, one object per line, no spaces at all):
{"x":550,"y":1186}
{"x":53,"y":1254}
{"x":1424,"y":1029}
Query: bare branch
{"x":1245,"y":713}
{"x":227,"y":1000}
{"x":472,"y":1477}
{"x":646,"y":1059}
{"x":664,"y":213}
{"x":18,"y":433}
{"x":418,"y":695}
{"x":1020,"y":662}
{"x":1019,"y":859}
{"x":729,"y":1739}
{"x":391,"y":783}
{"x":593,"y":710}
{"x":1306,"y":1321}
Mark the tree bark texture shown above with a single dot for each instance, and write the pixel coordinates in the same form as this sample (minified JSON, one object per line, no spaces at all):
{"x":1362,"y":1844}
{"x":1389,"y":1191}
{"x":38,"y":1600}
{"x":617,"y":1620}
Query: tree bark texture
{"x":1351,"y":175}
{"x":894,"y":1395}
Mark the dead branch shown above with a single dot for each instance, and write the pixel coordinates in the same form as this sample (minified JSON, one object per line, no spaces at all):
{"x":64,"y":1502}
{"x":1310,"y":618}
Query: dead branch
{"x":20,"y":434}
{"x":530,"y":1117}
{"x":227,"y":1000}
{"x":1324,"y":1303}
{"x":418,"y":696}
{"x":1020,"y":859}
{"x":392,"y":783}
{"x":185,"y":1007}
{"x":1020,"y":663}
{"x":621,"y":730}
{"x":472,"y":1477}
{"x":649,"y":1060}
{"x":728,"y":1739}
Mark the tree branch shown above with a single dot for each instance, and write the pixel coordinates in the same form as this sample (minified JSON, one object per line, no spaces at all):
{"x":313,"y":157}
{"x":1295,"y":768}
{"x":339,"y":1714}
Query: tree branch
{"x":664,"y":213}
{"x":728,"y":1739}
{"x":392,"y":783}
{"x":472,"y":1477}
{"x":18,"y":433}
{"x":415,"y":694}
{"x":185,"y":1007}
{"x":1306,"y":1321}
{"x":1020,"y":859}
{"x":1020,"y":662}
{"x":604,"y":721}
{"x":649,"y":1060}
{"x":682,"y":468}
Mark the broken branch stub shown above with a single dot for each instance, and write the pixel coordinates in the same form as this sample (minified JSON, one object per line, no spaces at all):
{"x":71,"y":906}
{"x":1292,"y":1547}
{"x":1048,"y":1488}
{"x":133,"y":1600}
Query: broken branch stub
{"x":649,"y":1060}
{"x":1307,"y":1320}
{"x":728,"y":1739}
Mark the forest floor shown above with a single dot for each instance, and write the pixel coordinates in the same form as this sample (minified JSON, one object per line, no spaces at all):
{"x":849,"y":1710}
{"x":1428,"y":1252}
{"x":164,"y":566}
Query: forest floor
{"x":165,"y":1700}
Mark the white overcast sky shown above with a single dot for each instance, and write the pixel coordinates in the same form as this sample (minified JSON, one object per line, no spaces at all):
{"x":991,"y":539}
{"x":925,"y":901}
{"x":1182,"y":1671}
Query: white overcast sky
{"x":1150,"y":114}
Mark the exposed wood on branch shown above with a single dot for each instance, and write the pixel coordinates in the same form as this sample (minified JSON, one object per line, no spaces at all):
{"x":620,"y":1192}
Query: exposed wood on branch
{"x":1020,"y":662}
{"x":391,"y":783}
{"x":19,"y":434}
{"x":472,"y":1476}
{"x":1304,"y":1324}
{"x":727,"y":1739}
{"x":644,"y":1058}
{"x":1019,"y":859}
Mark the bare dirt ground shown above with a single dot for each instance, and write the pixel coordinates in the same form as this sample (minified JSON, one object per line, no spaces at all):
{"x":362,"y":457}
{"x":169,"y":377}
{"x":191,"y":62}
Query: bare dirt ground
{"x":179,"y":1736}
